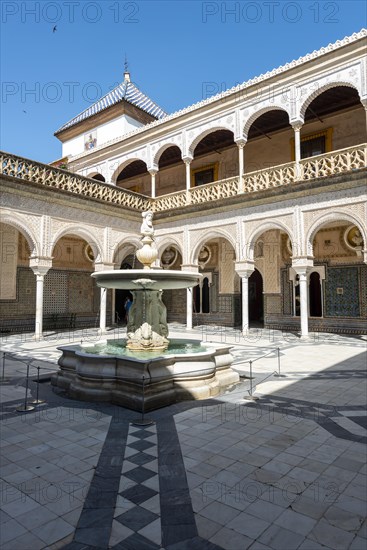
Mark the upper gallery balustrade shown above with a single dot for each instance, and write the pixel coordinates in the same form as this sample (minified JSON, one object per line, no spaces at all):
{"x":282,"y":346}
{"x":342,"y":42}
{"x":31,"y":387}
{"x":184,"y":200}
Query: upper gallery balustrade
{"x":292,"y":173}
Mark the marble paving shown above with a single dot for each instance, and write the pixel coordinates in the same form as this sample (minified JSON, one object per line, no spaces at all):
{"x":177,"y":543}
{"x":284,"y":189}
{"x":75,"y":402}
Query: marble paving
{"x":284,"y":471}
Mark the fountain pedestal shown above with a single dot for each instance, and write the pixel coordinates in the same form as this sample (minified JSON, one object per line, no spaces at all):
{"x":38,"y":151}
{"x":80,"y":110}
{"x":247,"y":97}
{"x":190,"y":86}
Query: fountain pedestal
{"x":147,"y":326}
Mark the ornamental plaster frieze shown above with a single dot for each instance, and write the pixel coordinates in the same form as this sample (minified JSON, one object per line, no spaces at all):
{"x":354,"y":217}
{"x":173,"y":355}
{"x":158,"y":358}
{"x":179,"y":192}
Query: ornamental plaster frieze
{"x":316,"y":54}
{"x":33,"y":201}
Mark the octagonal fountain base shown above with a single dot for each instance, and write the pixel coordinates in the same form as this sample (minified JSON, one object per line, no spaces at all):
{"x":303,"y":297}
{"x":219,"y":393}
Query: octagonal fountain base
{"x":167,"y":378}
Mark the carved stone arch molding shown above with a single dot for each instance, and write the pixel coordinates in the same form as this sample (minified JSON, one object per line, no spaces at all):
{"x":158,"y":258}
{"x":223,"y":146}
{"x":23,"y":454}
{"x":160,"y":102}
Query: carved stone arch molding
{"x":121,"y":244}
{"x":349,"y":76}
{"x":29,"y":226}
{"x":195,"y":135}
{"x":315,"y":220}
{"x":199,"y":237}
{"x":254,"y":229}
{"x":92,"y":235}
{"x":159,"y":147}
{"x":164,"y":241}
{"x":118,"y":164}
{"x":250,"y":114}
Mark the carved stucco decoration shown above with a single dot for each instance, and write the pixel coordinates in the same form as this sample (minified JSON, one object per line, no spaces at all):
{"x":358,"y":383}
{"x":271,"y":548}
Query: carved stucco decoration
{"x":199,"y":237}
{"x":91,"y":234}
{"x":255,"y":228}
{"x":28,"y":225}
{"x":195,"y":135}
{"x":316,"y":219}
{"x":164,"y":241}
{"x":309,"y":91}
{"x":251,"y":113}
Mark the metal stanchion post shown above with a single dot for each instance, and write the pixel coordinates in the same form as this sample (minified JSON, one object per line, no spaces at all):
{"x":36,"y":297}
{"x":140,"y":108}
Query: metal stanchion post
{"x":251,"y":397}
{"x":37,"y":401}
{"x":143,"y":421}
{"x":26,"y":407}
{"x":278,"y":373}
{"x":3,"y":371}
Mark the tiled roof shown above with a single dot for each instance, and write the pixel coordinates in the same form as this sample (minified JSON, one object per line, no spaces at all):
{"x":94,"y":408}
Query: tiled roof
{"x":126,"y":91}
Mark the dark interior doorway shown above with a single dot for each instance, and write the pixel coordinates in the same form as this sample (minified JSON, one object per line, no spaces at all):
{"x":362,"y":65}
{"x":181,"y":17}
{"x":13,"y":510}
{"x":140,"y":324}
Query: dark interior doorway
{"x":256,"y":298}
{"x":315,"y":295}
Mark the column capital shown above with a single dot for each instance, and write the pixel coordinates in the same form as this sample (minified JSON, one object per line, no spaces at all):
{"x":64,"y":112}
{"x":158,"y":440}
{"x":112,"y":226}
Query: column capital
{"x":153,"y":170}
{"x":244,"y":268}
{"x":297,"y":124}
{"x":302,"y":265}
{"x":187,"y":159}
{"x":241,"y":142}
{"x":40,"y":264}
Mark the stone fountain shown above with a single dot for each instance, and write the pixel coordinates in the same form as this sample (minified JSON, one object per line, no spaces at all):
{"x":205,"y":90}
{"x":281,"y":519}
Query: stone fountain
{"x":142,"y":368}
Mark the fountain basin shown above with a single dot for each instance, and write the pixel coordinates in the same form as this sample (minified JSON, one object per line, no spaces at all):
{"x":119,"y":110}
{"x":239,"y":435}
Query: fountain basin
{"x":159,"y":279}
{"x":168,"y":378}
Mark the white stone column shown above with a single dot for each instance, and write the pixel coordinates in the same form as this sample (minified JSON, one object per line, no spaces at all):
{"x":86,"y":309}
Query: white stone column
{"x":303,"y":296}
{"x":245,"y":269}
{"x":245,"y":315}
{"x":103,"y":310}
{"x":103,"y":266}
{"x":189,"y":294}
{"x":40,"y":267}
{"x":189,"y":308}
{"x":153,"y":174}
{"x":297,"y":148}
{"x":302,"y":270}
{"x":241,"y":144}
{"x":113,"y":307}
{"x":187,"y":161}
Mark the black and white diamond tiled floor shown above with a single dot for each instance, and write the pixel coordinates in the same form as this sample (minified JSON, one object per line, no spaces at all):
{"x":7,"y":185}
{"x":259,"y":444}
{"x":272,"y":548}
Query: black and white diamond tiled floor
{"x":137,"y":507}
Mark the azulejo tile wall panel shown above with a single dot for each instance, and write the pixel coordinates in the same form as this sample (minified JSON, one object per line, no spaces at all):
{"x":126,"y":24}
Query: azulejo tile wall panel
{"x":341,"y":297}
{"x":286,"y":292}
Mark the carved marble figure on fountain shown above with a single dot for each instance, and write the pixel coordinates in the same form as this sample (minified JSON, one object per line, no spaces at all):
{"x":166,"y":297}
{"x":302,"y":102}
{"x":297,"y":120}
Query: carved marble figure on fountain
{"x":148,"y":253}
{"x":147,"y":229}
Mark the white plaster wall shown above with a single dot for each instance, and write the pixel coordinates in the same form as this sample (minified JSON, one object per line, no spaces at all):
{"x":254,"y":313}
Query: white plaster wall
{"x":105,"y":132}
{"x":73,"y":146}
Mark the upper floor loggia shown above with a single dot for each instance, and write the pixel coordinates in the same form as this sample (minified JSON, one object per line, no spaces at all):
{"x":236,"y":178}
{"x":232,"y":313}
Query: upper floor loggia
{"x":313,"y":106}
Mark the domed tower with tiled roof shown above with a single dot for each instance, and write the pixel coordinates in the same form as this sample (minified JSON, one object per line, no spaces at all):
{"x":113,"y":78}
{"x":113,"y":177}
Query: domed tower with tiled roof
{"x":117,"y":113}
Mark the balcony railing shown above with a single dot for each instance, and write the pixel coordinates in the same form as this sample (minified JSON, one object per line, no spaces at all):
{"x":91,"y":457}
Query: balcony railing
{"x":321,"y":166}
{"x":43,"y":174}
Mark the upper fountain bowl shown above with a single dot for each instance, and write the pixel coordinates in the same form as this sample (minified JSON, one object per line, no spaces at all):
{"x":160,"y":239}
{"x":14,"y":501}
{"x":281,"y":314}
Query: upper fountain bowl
{"x":151,"y":279}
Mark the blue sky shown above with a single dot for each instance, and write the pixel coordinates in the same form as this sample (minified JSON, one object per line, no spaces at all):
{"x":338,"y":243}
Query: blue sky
{"x":179,"y":52}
